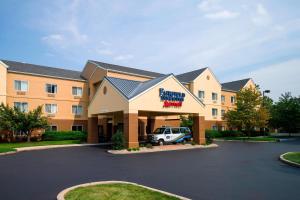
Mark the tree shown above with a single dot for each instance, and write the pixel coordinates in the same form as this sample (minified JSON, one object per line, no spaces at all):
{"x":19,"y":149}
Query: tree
{"x":249,"y":112}
{"x":7,"y":119}
{"x":13,"y":119}
{"x":186,"y":121}
{"x":285,"y":114}
{"x":33,"y":120}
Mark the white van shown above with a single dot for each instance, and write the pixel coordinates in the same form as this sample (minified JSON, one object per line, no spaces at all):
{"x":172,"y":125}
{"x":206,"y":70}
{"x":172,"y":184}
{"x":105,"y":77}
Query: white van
{"x":170,"y":135}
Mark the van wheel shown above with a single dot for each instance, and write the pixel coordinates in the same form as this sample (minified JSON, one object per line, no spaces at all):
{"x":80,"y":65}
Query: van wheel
{"x":161,"y":142}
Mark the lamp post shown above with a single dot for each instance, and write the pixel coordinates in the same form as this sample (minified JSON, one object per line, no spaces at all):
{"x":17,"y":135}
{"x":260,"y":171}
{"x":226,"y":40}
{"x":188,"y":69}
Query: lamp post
{"x":265,"y":91}
{"x":263,"y":104}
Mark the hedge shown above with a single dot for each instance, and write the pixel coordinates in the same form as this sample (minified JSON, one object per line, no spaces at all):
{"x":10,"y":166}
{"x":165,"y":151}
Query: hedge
{"x":64,"y":135}
{"x":227,"y":133}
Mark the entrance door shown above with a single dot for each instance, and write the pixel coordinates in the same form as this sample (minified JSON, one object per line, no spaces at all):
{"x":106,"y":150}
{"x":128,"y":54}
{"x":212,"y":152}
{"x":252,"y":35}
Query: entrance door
{"x":109,"y":131}
{"x":101,"y":134}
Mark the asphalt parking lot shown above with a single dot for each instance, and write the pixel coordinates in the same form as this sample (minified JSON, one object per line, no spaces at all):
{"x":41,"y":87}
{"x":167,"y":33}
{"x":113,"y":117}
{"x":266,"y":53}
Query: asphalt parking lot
{"x":234,"y":170}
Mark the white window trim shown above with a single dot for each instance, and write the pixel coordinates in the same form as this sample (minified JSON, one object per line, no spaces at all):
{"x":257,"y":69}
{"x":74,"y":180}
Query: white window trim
{"x":51,"y":109}
{"x":77,"y":126}
{"x":21,"y":81}
{"x":76,"y":95}
{"x":21,"y":102}
{"x":213,"y":112}
{"x":51,"y":85}
{"x":77,"y":107}
{"x":56,"y":127}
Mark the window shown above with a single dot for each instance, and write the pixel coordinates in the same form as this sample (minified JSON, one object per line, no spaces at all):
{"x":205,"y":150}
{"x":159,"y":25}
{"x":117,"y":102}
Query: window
{"x":167,"y":131}
{"x":175,"y":130}
{"x":222,"y":113}
{"x":232,"y":99}
{"x":214,"y":112}
{"x":21,"y":86}
{"x":51,"y":88}
{"x":23,"y":106}
{"x":51,"y":108}
{"x":77,"y":110}
{"x":214,"y":96}
{"x":201,"y":94}
{"x":77,"y":91}
{"x":52,"y":128}
{"x":214,"y":127}
{"x":223,"y":98}
{"x":77,"y":128}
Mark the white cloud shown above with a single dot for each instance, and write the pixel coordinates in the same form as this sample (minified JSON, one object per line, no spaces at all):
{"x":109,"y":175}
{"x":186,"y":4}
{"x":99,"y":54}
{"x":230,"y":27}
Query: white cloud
{"x":54,"y":40}
{"x":123,"y":57}
{"x":262,"y":16}
{"x":208,"y":5}
{"x":105,"y":52}
{"x":224,"y":14}
{"x":279,"y":78}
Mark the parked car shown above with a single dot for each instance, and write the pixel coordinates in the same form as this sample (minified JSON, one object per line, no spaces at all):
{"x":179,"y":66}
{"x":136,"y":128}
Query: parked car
{"x":165,"y":135}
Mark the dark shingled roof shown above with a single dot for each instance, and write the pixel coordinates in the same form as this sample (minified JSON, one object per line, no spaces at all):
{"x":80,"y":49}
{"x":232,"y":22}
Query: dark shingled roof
{"x":126,"y":69}
{"x":131,"y":88}
{"x":190,"y":76}
{"x":235,"y":85}
{"x":42,"y":70}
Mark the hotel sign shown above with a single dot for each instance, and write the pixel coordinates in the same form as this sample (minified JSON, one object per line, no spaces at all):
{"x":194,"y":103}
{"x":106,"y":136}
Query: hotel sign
{"x":170,"y":98}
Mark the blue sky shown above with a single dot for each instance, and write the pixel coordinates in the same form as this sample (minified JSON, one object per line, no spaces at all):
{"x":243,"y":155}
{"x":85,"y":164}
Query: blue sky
{"x":237,"y":39}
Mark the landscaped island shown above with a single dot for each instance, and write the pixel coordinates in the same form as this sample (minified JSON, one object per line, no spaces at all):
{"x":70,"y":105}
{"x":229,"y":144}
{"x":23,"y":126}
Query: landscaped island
{"x":116,"y":191}
{"x":48,"y":138}
{"x":293,"y":157}
{"x":10,"y":147}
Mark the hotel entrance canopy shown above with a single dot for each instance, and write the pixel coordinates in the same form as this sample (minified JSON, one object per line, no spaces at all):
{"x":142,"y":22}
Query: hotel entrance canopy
{"x":161,"y":96}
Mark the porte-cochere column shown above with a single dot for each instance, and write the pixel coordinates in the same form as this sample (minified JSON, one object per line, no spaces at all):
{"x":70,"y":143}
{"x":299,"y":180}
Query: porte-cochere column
{"x":199,"y":129}
{"x":93,"y":130}
{"x":130,"y":121}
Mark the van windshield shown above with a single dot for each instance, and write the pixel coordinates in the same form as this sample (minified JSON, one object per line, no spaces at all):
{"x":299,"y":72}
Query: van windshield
{"x":159,"y":131}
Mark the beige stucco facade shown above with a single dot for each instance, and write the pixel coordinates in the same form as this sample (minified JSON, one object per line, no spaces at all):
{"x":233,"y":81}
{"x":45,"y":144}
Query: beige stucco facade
{"x":3,"y":81}
{"x":208,"y":83}
{"x":102,"y":103}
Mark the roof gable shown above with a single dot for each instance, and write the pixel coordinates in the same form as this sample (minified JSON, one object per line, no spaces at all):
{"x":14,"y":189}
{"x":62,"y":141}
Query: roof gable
{"x":235,"y":85}
{"x":190,"y":76}
{"x":127,"y":70}
{"x":130,"y":88}
{"x":33,"y":69}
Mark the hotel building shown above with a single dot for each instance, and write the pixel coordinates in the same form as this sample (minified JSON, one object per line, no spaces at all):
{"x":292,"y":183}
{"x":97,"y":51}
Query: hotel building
{"x":104,"y":98}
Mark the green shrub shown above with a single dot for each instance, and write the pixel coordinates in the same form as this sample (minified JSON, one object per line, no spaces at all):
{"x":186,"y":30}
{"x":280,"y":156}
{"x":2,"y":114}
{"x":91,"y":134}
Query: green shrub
{"x":149,"y":146}
{"x":193,"y":143}
{"x":64,"y":135}
{"x":212,"y":134}
{"x":231,"y":133}
{"x":129,"y":149}
{"x":118,"y":141}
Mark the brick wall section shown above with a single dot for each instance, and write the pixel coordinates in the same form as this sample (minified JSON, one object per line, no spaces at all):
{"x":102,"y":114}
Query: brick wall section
{"x":199,"y":130}
{"x":131,"y":129}
{"x":92,"y":130}
{"x":209,"y":124}
{"x":66,"y":125}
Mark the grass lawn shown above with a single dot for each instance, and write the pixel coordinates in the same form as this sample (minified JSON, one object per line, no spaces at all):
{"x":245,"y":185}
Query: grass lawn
{"x":293,"y":156}
{"x":265,"y":138}
{"x":115,"y":191}
{"x":7,"y":147}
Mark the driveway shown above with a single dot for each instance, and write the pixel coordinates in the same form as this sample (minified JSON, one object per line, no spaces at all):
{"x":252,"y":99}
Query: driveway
{"x":235,"y":170}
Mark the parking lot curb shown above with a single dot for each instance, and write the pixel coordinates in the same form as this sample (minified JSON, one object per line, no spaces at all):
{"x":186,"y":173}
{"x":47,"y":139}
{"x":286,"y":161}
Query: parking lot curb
{"x":8,"y":153}
{"x":35,"y":148}
{"x":155,"y":150}
{"x":61,"y":195}
{"x":220,"y":140}
{"x":291,"y":163}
